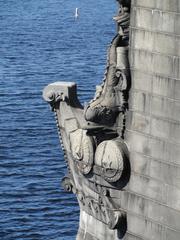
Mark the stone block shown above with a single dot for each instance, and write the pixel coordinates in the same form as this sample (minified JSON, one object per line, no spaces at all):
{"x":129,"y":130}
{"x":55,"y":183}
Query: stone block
{"x":157,"y":148}
{"x":166,"y":108}
{"x":155,"y":42}
{"x":161,"y":128}
{"x":153,"y":211}
{"x":172,"y":234}
{"x":144,"y":228}
{"x":162,"y":107}
{"x":164,"y":172}
{"x":148,"y":4}
{"x":135,"y":204}
{"x":176,"y":110}
{"x":176,"y":67}
{"x":139,"y":122}
{"x":165,"y":5}
{"x":163,"y":21}
{"x":165,"y":44}
{"x":173,"y":199}
{"x":131,"y":58}
{"x":175,"y":132}
{"x":163,"y":215}
{"x":176,"y":89}
{"x":164,"y":86}
{"x":142,"y":39}
{"x":165,"y":151}
{"x":139,"y":101}
{"x":149,"y":146}
{"x":166,"y":129}
{"x":177,"y":24}
{"x":143,"y":14}
{"x":155,"y":20}
{"x":131,"y":237}
{"x":163,"y":65}
{"x":137,"y":142}
{"x":141,"y":81}
{"x":147,"y":187}
{"x":143,"y":60}
{"x":168,"y":5}
{"x":172,"y":153}
{"x":132,"y":18}
{"x":139,"y":163}
{"x":155,"y":63}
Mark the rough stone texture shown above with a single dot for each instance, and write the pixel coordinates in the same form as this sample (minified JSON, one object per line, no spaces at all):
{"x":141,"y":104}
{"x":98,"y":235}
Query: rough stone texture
{"x":96,"y":155}
{"x":153,"y":125}
{"x":123,"y":151}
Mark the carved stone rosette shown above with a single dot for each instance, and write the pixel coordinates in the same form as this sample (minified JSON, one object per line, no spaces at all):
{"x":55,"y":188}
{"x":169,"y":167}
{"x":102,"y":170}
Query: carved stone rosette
{"x":92,"y":140}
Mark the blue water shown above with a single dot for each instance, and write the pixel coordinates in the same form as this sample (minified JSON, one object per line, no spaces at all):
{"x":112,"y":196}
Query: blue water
{"x":40,"y":43}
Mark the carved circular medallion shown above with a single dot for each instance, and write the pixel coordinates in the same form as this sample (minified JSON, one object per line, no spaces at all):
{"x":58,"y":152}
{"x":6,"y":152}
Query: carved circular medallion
{"x":82,"y":147}
{"x":110,"y":157}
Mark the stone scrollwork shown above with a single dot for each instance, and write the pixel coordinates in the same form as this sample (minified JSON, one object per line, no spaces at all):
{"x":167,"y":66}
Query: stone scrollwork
{"x":68,"y":184}
{"x":91,"y":138}
{"x":104,"y":210}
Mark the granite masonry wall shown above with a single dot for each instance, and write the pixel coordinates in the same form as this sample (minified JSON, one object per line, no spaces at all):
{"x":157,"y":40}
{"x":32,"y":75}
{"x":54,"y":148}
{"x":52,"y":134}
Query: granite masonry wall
{"x":152,"y":197}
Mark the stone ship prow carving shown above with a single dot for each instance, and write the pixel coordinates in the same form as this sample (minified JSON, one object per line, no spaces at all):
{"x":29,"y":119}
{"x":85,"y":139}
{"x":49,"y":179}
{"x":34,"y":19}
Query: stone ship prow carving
{"x":91,"y":138}
{"x":115,"y":153}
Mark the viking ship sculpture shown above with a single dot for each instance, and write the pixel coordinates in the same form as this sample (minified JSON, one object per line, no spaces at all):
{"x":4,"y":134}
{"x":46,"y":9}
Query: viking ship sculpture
{"x":123,"y":149}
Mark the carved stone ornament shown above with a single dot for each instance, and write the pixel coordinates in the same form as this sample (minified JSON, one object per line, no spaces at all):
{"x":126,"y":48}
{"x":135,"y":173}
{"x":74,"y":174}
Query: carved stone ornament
{"x":82,"y":148}
{"x":92,"y":139}
{"x":110,"y":158}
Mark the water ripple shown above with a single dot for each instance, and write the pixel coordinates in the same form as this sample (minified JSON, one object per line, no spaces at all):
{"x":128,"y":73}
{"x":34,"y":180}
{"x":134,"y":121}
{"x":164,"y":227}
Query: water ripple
{"x":42,"y":43}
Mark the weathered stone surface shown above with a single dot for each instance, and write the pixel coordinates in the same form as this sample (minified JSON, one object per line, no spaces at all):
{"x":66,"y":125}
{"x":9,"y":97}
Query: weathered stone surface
{"x":155,"y":20}
{"x":123,"y":150}
{"x":152,"y":41}
{"x":153,"y":127}
{"x":165,"y":5}
{"x":96,"y":155}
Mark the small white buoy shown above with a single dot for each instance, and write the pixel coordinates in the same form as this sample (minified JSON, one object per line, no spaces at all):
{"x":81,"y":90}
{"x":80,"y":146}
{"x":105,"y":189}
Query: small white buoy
{"x":76,"y":13}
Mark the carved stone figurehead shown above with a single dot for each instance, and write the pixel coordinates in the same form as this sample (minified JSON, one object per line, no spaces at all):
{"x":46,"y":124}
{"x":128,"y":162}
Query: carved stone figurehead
{"x":92,"y":140}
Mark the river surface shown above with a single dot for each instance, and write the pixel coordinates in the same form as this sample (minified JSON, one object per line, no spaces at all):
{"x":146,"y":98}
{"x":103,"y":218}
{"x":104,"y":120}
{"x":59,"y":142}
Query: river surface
{"x":40,"y":43}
